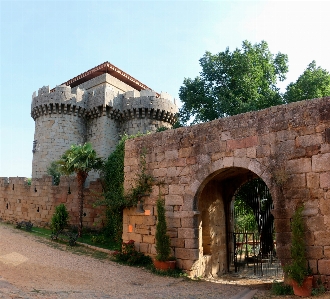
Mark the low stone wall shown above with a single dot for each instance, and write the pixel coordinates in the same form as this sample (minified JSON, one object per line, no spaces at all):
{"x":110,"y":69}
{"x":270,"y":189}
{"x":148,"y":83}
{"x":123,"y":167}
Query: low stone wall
{"x":36,"y":202}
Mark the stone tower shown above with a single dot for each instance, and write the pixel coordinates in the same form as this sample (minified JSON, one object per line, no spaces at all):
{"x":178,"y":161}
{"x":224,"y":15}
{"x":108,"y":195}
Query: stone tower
{"x":97,"y":106}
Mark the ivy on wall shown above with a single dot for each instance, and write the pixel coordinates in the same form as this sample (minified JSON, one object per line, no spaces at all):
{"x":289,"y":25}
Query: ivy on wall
{"x":115,"y":199}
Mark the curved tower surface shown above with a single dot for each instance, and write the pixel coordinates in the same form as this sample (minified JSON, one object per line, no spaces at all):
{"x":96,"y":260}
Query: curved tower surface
{"x":97,"y":106}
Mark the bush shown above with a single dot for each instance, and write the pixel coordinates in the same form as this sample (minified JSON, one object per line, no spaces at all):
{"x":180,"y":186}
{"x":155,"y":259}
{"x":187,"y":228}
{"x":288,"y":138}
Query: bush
{"x":98,"y":239}
{"x":128,"y":255}
{"x":163,"y":248}
{"x":279,"y":288}
{"x":60,"y":218}
{"x":54,"y":172}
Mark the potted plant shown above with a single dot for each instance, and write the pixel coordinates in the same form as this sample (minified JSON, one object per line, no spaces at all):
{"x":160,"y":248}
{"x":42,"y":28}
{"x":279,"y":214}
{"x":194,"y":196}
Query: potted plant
{"x":298,"y":271}
{"x":163,"y":260}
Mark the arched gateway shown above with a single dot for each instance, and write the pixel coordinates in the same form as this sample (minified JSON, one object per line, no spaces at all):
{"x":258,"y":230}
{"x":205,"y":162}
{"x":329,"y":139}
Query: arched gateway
{"x":202,"y":167}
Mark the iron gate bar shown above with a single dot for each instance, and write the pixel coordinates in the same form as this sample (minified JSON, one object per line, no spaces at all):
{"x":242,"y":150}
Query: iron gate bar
{"x":258,"y":202}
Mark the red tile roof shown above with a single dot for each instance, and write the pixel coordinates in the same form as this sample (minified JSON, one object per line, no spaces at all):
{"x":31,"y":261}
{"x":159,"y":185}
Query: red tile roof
{"x":103,"y":68}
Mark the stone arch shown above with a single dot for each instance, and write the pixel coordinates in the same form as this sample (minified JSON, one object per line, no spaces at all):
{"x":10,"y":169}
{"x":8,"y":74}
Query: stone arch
{"x":212,"y":201}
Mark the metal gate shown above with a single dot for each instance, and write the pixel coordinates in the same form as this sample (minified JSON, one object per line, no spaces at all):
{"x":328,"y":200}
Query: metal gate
{"x":251,"y":237}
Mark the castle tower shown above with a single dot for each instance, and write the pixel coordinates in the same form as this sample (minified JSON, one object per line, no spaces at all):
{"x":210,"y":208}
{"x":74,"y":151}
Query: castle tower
{"x":146,"y":111}
{"x":59,"y":122}
{"x":97,"y":106}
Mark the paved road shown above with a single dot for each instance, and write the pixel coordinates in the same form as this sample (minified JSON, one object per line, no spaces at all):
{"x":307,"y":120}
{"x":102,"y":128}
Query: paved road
{"x":32,"y":267}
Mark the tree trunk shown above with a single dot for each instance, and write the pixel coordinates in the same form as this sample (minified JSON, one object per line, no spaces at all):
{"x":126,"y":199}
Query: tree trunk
{"x":81,"y":177}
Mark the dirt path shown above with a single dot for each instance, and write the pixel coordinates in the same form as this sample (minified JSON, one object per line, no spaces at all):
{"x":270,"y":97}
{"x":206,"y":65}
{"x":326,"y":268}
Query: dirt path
{"x":33,"y":267}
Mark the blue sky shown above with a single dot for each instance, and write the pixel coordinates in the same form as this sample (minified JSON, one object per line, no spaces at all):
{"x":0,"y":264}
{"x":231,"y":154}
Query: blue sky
{"x":157,"y":42}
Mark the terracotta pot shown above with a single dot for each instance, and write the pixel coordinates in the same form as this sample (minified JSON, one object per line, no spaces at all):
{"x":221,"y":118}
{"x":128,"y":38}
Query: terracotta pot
{"x":305,"y":290}
{"x":164,"y":265}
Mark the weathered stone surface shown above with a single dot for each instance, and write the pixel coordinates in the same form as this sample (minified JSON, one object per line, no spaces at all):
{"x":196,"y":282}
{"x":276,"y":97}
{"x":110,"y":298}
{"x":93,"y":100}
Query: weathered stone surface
{"x":186,"y":254}
{"x":191,"y":243}
{"x":173,"y":200}
{"x":313,"y":180}
{"x":299,"y":165}
{"x":324,"y":267}
{"x":322,"y":238}
{"x":321,"y":162}
{"x":314,"y":252}
{"x":187,"y":233}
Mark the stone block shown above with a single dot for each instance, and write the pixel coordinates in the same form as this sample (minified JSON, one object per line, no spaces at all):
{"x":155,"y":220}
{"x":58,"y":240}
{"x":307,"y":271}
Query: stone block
{"x":321,"y":162}
{"x":241,"y":162}
{"x":186,"y":254}
{"x":185,"y":264}
{"x":324,"y":266}
{"x":160,"y":172}
{"x":251,"y":152}
{"x":187,"y":233}
{"x":299,"y":165}
{"x":173,"y":154}
{"x":228,"y":162}
{"x":190,"y":222}
{"x":314,"y":252}
{"x":326,"y":252}
{"x":185,"y":152}
{"x":176,"y":189}
{"x":191,"y":160}
{"x":324,"y":206}
{"x":308,"y":140}
{"x":148,"y":239}
{"x":297,"y":180}
{"x":313,"y":180}
{"x":177,"y":242}
{"x":173,"y":222}
{"x":191,"y":243}
{"x":322,"y":238}
{"x":171,"y":200}
{"x":325,"y":180}
{"x":313,"y":150}
{"x":315,"y":223}
{"x":262,"y":151}
{"x":144,"y":247}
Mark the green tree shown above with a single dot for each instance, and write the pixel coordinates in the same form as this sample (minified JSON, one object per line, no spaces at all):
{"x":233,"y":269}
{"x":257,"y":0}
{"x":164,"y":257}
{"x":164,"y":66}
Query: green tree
{"x":60,"y":218}
{"x":313,"y":83}
{"x":163,"y":242}
{"x":54,"y":172}
{"x":80,"y":159}
{"x":233,"y":82}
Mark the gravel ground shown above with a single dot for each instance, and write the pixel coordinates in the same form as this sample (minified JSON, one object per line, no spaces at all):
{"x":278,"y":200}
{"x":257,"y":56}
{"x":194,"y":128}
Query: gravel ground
{"x":34,"y":267}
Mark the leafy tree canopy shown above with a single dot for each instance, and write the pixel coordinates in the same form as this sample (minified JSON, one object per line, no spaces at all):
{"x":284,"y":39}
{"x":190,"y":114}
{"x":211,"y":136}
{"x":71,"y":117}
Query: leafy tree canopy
{"x":313,"y":83}
{"x":79,"y":159}
{"x":233,"y":82}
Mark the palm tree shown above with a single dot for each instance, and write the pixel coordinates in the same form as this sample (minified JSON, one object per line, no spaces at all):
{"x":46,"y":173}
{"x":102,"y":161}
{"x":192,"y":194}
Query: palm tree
{"x":80,"y":159}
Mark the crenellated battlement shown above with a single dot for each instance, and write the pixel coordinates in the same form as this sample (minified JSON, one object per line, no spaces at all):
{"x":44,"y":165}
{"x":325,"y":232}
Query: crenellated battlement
{"x":96,"y":107}
{"x":60,"y":101}
{"x":148,"y":106}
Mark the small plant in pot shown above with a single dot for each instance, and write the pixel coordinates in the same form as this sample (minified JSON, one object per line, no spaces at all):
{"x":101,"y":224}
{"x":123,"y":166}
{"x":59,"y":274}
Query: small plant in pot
{"x":163,"y":260}
{"x":298,"y":271}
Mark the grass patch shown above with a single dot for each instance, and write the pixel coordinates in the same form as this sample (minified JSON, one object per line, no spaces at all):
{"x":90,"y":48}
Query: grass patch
{"x":41,"y":231}
{"x":99,"y":240}
{"x":94,"y":239}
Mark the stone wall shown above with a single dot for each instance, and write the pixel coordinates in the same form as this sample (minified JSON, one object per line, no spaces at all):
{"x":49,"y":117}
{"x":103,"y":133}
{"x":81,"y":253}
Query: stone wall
{"x":36,"y":202}
{"x":287,"y":146}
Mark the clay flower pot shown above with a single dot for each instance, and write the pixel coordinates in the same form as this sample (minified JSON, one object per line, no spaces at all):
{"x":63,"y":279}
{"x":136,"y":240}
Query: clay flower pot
{"x":164,"y":265}
{"x":305,"y":290}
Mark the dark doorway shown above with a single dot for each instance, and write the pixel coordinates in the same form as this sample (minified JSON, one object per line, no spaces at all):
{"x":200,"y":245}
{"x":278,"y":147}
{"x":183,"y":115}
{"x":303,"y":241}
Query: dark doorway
{"x":252,"y":246}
